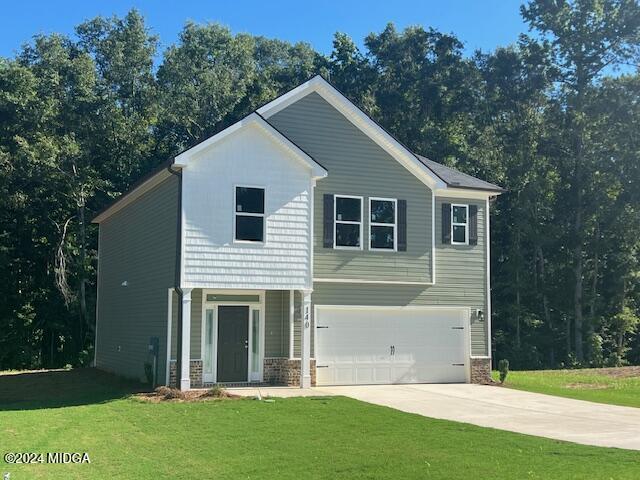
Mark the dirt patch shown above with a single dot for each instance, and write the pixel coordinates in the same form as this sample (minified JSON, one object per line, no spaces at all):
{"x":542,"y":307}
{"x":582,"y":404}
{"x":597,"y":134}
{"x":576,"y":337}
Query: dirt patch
{"x":587,"y":386}
{"x":615,"y":372}
{"x":166,"y":394}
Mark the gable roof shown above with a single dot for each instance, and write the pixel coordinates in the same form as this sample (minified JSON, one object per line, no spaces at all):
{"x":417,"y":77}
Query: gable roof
{"x":457,"y":179}
{"x":147,"y":182}
{"x":361,"y":120}
{"x":433,"y":174}
{"x":317,"y":170}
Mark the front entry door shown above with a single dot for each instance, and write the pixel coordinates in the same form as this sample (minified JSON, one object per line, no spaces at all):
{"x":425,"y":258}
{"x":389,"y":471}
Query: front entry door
{"x":233,"y":343}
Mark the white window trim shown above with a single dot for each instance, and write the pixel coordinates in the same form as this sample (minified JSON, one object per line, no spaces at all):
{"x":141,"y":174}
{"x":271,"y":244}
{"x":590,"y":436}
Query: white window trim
{"x":458,"y":224}
{"x":378,"y":224}
{"x":349,"y":222}
{"x":248,"y":214}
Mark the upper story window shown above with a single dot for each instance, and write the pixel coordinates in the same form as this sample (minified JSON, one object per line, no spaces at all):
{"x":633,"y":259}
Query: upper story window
{"x":459,"y":224}
{"x":348,"y":221}
{"x":249,"y":214}
{"x":383,"y":224}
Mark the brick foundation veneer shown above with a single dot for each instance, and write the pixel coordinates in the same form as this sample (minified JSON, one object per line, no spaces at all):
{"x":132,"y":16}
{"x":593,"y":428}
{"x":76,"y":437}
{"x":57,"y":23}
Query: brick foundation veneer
{"x":284,"y":371}
{"x":481,"y":370}
{"x":195,"y":373}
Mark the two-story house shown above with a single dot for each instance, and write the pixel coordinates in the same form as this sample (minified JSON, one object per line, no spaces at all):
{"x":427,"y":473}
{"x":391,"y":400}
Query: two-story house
{"x":302,"y":245}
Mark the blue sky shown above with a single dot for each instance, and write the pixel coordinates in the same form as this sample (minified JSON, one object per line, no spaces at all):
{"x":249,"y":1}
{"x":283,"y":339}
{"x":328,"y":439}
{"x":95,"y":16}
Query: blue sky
{"x":481,"y":24}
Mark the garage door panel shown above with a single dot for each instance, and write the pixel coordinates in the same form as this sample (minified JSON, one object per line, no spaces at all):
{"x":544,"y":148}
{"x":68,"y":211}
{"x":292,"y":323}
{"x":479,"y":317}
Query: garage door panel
{"x":355,"y":347}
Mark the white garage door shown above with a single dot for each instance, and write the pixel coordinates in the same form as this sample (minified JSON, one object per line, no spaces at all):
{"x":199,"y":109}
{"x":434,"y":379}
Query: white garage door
{"x":390,"y":345}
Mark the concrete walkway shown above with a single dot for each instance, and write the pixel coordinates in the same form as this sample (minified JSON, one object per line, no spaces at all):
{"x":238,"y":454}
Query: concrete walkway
{"x":280,"y":392}
{"x":495,"y":407}
{"x":506,"y":409}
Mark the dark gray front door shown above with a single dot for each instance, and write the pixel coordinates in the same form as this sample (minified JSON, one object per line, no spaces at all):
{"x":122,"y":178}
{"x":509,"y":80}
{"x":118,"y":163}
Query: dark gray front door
{"x":233,"y":343}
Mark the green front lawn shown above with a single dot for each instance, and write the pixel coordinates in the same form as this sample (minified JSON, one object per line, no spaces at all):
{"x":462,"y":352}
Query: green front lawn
{"x":617,"y":386}
{"x":295,"y":438}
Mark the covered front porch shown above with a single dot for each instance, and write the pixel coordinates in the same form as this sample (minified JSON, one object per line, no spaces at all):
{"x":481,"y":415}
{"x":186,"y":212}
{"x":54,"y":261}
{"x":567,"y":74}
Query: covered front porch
{"x":240,"y":337}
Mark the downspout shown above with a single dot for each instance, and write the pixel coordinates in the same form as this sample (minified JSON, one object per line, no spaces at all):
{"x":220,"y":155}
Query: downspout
{"x":176,"y":286}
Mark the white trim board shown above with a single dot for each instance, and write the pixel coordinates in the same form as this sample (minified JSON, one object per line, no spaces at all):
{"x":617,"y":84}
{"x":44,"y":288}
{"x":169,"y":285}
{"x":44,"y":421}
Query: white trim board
{"x":362,"y":280}
{"x":465,"y":193}
{"x":356,"y":116}
{"x":487,"y":239}
{"x":169,"y":326}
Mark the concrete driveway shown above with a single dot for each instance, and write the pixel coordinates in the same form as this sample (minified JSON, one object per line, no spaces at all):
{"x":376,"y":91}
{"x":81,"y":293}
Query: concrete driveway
{"x":497,"y":407}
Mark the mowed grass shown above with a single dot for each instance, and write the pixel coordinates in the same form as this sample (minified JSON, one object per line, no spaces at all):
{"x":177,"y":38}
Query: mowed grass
{"x":616,"y":386}
{"x":300,"y":438}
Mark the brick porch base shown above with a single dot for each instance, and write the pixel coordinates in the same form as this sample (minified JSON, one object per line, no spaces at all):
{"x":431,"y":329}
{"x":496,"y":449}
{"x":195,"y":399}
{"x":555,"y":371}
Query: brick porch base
{"x":284,"y":371}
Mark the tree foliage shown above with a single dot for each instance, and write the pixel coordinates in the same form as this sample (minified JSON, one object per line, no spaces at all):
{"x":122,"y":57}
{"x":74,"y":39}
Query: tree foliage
{"x":551,"y":118}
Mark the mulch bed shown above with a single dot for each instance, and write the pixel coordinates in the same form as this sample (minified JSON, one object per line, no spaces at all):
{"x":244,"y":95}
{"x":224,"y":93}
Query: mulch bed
{"x":166,"y":394}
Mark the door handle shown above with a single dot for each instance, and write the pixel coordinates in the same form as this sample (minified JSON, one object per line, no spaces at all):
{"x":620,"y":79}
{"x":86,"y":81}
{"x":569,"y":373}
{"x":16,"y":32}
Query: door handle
{"x":392,"y":349}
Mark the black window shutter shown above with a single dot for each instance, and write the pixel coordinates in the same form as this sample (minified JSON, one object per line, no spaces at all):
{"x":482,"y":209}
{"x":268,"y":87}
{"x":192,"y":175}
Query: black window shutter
{"x":446,"y":223}
{"x":327,"y":241}
{"x":473,"y":224}
{"x":402,"y":225}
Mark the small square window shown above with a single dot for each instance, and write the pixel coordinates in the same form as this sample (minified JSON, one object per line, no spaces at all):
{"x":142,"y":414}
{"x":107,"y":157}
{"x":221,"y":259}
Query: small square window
{"x":249,"y":200}
{"x":348,"y":209}
{"x":249,"y":228}
{"x":249,"y":214}
{"x":383,"y":211}
{"x":382,"y":237}
{"x":459,"y":234}
{"x":347,"y":235}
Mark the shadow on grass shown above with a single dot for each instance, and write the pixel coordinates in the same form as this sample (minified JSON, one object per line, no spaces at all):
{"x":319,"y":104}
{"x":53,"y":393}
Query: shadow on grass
{"x":62,"y":388}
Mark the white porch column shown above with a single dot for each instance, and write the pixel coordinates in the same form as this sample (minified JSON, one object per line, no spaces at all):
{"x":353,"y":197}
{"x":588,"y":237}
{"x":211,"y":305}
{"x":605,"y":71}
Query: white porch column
{"x":185,"y":359}
{"x":305,"y":354}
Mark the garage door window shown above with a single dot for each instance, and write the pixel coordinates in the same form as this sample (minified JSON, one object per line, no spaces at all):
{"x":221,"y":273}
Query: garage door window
{"x":383,"y":224}
{"x":348,"y":222}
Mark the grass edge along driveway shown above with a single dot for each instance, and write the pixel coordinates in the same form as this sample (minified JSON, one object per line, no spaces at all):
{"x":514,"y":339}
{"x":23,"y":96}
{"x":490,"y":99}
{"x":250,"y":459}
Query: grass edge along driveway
{"x":614,"y":386}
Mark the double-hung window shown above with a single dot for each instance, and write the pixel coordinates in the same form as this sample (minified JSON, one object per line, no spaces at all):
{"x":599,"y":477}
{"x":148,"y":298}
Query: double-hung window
{"x":383,"y":224}
{"x":459,"y":224}
{"x":348,"y":222}
{"x":249,"y":214}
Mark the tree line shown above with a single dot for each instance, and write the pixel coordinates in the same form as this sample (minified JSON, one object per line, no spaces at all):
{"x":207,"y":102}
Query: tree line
{"x":553,"y":118}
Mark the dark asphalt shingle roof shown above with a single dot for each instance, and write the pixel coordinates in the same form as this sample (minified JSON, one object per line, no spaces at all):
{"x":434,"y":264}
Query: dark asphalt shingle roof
{"x":456,"y":179}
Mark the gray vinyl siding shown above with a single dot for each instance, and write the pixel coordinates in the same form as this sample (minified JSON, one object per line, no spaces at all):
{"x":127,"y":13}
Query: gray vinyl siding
{"x":174,"y":325}
{"x":358,"y":166}
{"x":276,"y":328}
{"x":196,"y":325}
{"x":137,"y":245}
{"x":460,"y":281}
